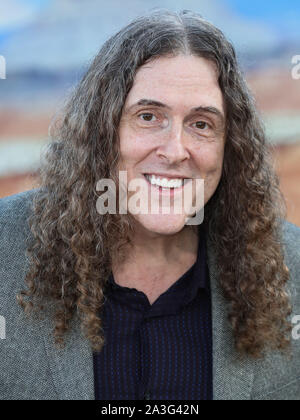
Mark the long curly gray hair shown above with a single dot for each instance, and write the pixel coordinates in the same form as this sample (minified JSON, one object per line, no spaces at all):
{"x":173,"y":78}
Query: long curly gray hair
{"x":73,"y":246}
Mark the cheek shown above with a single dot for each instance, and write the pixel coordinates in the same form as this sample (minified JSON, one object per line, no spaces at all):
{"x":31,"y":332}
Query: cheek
{"x":132,"y":148}
{"x":210,"y":161}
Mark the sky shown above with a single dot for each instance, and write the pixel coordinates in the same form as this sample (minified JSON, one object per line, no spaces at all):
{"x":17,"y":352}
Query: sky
{"x":283,"y":15}
{"x":269,"y":9}
{"x":14,"y":13}
{"x":249,"y":24}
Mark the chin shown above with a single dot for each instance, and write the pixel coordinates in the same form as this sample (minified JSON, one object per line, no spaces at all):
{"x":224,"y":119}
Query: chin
{"x":162,"y":224}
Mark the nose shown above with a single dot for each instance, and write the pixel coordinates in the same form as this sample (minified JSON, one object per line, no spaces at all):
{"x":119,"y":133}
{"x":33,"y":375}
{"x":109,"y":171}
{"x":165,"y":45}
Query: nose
{"x":172,"y":147}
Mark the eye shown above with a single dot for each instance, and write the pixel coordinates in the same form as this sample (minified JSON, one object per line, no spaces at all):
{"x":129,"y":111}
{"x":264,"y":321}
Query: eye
{"x":147,"y":117}
{"x":202,"y":125}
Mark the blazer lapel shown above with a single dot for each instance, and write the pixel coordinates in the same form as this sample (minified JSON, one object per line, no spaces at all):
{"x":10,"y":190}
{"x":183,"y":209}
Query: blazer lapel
{"x":71,"y":367}
{"x":232,"y":377}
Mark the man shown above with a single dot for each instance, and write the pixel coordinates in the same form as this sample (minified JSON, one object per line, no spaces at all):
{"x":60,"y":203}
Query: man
{"x":148,"y":305}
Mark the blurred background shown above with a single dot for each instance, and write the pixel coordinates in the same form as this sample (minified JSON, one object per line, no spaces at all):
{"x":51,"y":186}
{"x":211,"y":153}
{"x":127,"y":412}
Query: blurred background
{"x":46,"y":45}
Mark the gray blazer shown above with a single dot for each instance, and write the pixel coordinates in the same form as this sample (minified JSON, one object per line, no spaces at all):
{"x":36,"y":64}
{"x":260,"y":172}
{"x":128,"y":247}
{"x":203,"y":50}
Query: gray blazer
{"x":31,"y":368}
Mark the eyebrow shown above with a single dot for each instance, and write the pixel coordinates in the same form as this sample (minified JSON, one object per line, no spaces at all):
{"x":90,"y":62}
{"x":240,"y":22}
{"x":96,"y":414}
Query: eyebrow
{"x":206,"y":109}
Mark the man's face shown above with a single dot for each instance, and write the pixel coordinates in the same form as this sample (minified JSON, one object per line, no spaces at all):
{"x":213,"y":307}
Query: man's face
{"x":173,"y":124}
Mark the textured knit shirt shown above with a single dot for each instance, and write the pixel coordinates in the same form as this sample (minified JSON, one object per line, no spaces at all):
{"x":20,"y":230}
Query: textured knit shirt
{"x":161,"y":351}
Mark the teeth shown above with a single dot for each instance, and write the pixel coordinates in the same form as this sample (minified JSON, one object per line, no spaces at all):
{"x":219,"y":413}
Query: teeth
{"x":164,"y":182}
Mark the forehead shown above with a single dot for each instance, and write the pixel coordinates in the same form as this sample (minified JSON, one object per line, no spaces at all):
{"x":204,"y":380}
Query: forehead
{"x":181,"y":81}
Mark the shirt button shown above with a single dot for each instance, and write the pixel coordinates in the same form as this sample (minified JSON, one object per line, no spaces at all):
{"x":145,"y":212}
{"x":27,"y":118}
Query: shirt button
{"x":147,"y":396}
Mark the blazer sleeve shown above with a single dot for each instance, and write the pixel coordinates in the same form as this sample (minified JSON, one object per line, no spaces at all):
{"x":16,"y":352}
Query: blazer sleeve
{"x":277,"y":377}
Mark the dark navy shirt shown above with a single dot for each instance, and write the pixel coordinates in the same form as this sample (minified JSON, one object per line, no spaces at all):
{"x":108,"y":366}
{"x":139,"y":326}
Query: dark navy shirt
{"x":161,"y":351}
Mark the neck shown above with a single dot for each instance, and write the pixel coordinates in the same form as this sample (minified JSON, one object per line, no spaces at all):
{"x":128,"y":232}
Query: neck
{"x":164,"y":248}
{"x":156,"y":261}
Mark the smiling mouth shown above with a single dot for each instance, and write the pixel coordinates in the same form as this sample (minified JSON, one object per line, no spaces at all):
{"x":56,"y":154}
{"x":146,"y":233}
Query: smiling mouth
{"x":164,"y":184}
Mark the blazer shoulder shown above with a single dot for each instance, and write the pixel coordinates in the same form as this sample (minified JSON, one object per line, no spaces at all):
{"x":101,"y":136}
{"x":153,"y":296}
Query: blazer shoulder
{"x":16,"y":206}
{"x":291,"y":231}
{"x":14,"y":212}
{"x":14,"y":234}
{"x":291,"y":244}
